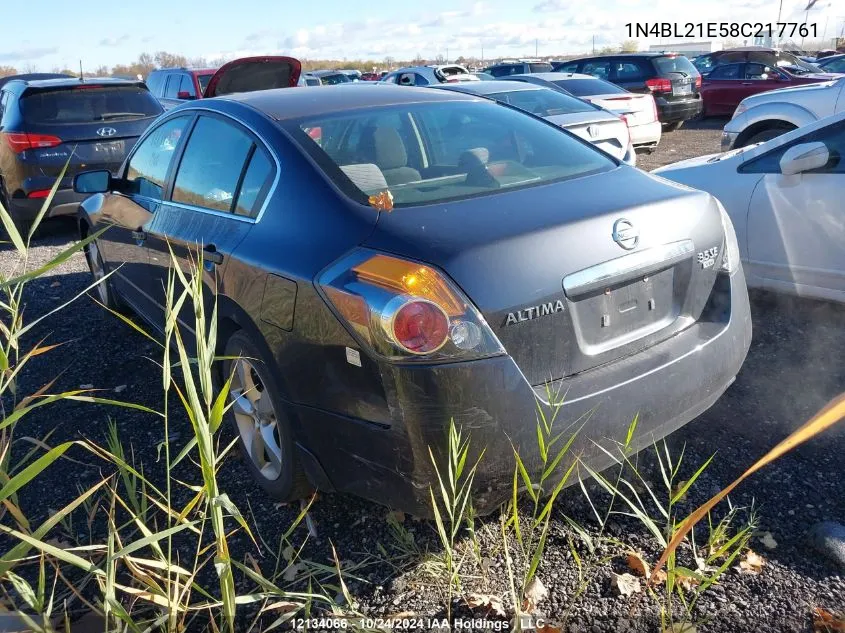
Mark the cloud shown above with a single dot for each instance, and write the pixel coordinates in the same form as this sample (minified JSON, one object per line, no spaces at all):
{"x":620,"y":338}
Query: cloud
{"x":111,"y":42}
{"x":28,"y":54}
{"x":550,"y":6}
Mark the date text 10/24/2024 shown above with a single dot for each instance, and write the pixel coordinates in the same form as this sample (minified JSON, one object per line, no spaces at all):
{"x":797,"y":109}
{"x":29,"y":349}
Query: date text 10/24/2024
{"x":330,"y":624}
{"x":776,"y":30}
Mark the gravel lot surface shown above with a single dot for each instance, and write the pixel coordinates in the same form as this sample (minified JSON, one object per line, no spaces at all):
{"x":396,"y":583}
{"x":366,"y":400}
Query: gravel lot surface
{"x":794,"y":367}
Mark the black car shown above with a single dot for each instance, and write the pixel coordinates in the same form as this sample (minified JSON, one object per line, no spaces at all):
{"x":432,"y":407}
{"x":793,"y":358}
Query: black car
{"x":670,"y":78}
{"x":387,"y":260}
{"x":46,"y":122}
{"x":518,"y":67}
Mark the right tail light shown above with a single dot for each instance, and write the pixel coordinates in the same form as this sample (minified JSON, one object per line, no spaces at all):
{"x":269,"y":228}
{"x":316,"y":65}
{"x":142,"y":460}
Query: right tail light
{"x":404,"y":310}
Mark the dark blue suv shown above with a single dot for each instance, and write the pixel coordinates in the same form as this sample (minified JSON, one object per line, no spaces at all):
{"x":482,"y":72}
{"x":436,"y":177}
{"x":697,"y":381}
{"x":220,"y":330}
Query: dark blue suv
{"x":45,"y":122}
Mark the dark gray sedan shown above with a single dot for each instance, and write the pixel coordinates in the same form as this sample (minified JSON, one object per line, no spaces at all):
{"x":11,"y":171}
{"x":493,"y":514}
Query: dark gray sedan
{"x":388,"y":260}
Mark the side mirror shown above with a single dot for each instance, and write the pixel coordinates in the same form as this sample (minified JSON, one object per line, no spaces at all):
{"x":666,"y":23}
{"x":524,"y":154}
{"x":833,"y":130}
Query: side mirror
{"x":185,"y":95}
{"x":804,"y":157}
{"x":92,"y":181}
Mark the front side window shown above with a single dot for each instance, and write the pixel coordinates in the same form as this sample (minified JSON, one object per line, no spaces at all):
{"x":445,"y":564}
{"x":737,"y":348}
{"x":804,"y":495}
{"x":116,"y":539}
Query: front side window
{"x":728,"y":71}
{"x":444,"y":151}
{"x":544,"y":102}
{"x":187,"y":86}
{"x":211,"y":166}
{"x":600,"y":69}
{"x":759,"y":72}
{"x":835,"y":66}
{"x":833,"y":136}
{"x":569,"y":67}
{"x":148,"y":167}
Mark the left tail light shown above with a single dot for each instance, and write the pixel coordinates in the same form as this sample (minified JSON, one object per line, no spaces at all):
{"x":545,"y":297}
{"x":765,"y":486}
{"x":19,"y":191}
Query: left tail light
{"x":404,"y":310}
{"x":22,"y":141}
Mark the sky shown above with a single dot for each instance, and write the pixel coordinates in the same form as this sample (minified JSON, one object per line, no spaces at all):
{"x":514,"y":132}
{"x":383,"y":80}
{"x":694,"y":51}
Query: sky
{"x":61,"y":33}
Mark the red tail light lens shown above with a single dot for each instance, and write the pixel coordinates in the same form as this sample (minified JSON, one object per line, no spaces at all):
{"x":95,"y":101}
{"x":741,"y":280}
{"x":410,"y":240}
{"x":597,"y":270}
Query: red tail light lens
{"x":38,"y":193}
{"x":659,"y":84}
{"x":22,"y":141}
{"x":404,"y":310}
{"x":698,"y":82}
{"x":420,"y":327}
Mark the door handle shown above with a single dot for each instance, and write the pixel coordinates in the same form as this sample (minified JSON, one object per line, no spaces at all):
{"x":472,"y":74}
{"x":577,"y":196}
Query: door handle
{"x":139,"y":236}
{"x":210,"y":254}
{"x":747,"y":83}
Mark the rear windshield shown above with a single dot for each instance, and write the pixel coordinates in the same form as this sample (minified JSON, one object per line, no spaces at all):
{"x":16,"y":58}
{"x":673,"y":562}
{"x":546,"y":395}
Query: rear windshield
{"x":589,"y":87}
{"x":88,"y":104}
{"x":338,"y":78}
{"x":432,"y":152}
{"x":543,"y":102}
{"x":204,"y":79}
{"x":675,"y":64}
{"x":540,"y":68}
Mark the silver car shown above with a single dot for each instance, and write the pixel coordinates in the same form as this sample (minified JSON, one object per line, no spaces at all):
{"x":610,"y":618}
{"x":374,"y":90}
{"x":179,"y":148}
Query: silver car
{"x":429,"y":75}
{"x":603,"y":129}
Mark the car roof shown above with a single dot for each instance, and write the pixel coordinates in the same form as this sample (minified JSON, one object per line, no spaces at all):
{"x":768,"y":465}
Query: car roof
{"x":75,"y":81}
{"x":284,"y":103}
{"x":484,"y":88}
{"x":557,"y":76}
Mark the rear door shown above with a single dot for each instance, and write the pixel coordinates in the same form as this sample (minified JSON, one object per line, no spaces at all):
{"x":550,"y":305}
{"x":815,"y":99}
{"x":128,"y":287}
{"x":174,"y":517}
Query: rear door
{"x":223,"y":177}
{"x":95,"y":125}
{"x":630,"y":74}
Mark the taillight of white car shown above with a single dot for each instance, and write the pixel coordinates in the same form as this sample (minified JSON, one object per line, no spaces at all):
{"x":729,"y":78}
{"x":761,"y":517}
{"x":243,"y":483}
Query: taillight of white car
{"x":653,"y":108}
{"x":730,"y":261}
{"x":404,"y":310}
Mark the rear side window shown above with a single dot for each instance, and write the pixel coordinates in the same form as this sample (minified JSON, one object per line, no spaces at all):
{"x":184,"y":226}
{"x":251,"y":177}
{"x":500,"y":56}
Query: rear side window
{"x":540,"y":68}
{"x":597,"y":68}
{"x":88,"y":103}
{"x":543,"y":102}
{"x":630,"y":71}
{"x":569,"y":67}
{"x":187,"y":85}
{"x":173,"y":83}
{"x":588,"y":87}
{"x":211,"y":165}
{"x":155,"y":83}
{"x":148,"y":167}
{"x":257,"y":180}
{"x":506,"y":69}
{"x":675,"y":64}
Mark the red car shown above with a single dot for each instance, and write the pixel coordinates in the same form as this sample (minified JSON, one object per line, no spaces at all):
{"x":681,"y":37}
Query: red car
{"x":370,"y":77}
{"x":726,"y":85}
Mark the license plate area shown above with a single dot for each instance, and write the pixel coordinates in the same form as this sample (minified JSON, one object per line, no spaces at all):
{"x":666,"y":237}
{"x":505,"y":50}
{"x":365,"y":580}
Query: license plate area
{"x":680,"y":90}
{"x":109,"y":148}
{"x":622,"y":313}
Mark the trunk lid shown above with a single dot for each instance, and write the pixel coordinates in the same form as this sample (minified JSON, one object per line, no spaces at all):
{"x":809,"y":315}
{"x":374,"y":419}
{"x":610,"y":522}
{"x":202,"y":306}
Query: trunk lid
{"x":254,"y":73}
{"x":604,"y":130}
{"x":542,"y":266}
{"x":638,"y":108}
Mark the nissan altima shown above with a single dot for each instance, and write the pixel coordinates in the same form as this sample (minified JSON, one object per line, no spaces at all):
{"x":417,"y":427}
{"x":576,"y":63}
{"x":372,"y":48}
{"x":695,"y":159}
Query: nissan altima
{"x":390,"y":260}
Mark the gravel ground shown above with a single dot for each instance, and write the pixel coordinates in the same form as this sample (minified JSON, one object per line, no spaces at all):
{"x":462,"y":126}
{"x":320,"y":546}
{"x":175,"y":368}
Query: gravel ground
{"x":793,"y":368}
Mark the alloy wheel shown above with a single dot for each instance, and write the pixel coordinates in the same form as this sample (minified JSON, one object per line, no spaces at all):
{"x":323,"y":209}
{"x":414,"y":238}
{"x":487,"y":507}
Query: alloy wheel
{"x":256,"y":419}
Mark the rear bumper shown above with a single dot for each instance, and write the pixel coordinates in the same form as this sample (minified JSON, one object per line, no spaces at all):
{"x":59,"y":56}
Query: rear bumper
{"x":647,"y":135}
{"x":674,"y":111}
{"x":666,"y":386}
{"x":65,"y":202}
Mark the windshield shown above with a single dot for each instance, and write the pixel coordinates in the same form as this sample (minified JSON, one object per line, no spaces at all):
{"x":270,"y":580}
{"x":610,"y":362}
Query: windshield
{"x":588,"y":87}
{"x":432,"y":152}
{"x":88,"y":103}
{"x":675,"y":64}
{"x":543,"y":102}
{"x":204,"y":79}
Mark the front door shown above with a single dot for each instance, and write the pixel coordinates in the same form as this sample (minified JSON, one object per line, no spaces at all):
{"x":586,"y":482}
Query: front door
{"x":219,"y":187}
{"x":129,"y":211}
{"x":721,"y":88}
{"x":796,"y":224}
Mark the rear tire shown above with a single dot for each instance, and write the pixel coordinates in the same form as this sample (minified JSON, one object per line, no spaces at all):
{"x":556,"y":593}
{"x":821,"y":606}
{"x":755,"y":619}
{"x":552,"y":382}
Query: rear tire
{"x":671,"y":127}
{"x":104,"y":290}
{"x":259,"y":419}
{"x":767,"y":135}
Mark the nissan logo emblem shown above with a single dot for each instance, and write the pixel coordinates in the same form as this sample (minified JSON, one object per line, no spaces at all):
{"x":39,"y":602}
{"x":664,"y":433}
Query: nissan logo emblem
{"x":106,"y":132}
{"x":625,"y":234}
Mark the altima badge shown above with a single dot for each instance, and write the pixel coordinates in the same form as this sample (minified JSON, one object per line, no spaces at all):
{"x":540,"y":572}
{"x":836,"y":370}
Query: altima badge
{"x":534,"y":312}
{"x":708,"y":257}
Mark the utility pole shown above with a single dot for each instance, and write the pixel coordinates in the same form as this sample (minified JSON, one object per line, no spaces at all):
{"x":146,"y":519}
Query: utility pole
{"x":594,"y":44}
{"x":535,"y":47}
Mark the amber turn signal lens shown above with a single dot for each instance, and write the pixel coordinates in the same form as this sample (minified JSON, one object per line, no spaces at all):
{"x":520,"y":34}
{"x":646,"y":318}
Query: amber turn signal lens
{"x":410,"y":278}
